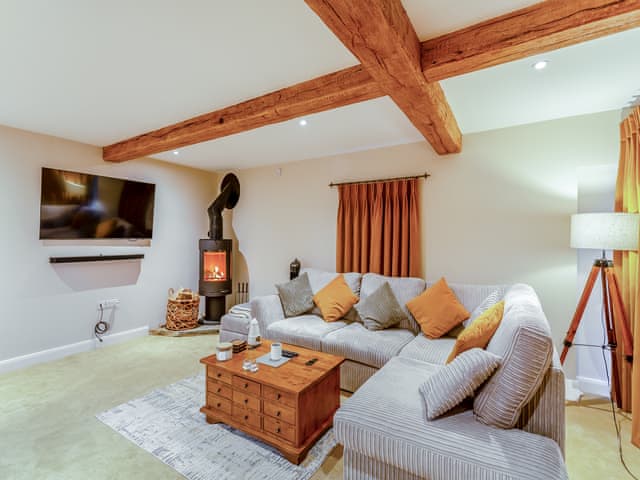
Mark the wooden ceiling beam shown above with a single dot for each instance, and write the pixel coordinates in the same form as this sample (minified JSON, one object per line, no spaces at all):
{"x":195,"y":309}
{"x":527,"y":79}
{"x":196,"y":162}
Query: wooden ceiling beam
{"x":540,"y":28}
{"x":327,"y":92}
{"x":380,"y":34}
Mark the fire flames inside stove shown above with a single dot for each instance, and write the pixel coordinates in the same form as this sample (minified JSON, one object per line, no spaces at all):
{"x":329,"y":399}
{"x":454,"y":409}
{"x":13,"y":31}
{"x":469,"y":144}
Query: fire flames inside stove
{"x":214,"y":266}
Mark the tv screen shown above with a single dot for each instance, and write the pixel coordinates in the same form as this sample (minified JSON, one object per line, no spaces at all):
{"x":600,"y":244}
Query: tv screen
{"x":80,"y":205}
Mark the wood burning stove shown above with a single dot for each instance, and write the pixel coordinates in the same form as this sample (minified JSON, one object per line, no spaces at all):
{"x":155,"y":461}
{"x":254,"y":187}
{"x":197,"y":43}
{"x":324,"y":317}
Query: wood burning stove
{"x":215,"y":281}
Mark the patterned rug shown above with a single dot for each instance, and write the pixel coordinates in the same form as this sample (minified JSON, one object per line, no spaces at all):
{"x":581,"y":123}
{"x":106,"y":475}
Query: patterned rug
{"x":168,"y":424}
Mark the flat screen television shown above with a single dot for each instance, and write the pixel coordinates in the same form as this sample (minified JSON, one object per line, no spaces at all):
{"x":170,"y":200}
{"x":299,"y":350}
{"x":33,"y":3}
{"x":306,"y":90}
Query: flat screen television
{"x":77,"y":205}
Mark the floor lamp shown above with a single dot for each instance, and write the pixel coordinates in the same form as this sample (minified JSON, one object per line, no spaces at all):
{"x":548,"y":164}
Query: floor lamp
{"x":605,"y":231}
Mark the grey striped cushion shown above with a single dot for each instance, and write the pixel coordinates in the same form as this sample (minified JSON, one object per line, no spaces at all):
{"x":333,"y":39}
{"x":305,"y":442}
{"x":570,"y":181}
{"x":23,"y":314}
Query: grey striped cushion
{"x":457,"y":380}
{"x":380,"y":310}
{"x":523,"y":341}
{"x":385,"y":420}
{"x":373,"y":348}
{"x":296,"y":296}
{"x":429,"y":350}
{"x":491,"y":299}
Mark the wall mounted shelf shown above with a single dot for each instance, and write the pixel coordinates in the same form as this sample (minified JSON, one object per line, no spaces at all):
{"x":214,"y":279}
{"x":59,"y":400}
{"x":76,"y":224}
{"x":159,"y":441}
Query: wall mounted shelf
{"x":95,"y":258}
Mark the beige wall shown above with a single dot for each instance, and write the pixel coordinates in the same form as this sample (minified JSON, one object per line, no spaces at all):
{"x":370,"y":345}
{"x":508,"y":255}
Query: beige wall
{"x":46,"y":306}
{"x":496,"y":213}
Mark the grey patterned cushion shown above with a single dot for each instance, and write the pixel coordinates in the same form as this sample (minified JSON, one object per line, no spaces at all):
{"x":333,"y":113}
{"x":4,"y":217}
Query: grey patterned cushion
{"x":404,"y":289}
{"x":296,"y":296}
{"x":381,"y":309}
{"x":523,"y":341}
{"x":457,"y":380}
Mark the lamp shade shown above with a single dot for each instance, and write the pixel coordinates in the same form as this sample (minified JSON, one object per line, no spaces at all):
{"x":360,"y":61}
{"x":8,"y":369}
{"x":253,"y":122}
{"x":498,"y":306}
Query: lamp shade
{"x":605,"y":231}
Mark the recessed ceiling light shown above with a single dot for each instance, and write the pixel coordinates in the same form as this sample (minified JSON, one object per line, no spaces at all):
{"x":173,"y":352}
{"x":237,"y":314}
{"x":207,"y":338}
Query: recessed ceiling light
{"x":302,"y":122}
{"x":540,"y":65}
{"x":176,"y":152}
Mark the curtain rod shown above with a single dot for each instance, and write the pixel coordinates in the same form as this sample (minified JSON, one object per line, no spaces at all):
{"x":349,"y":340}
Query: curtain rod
{"x":424,"y":175}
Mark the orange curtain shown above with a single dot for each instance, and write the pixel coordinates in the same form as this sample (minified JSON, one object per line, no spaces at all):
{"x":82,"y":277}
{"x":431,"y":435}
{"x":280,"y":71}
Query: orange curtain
{"x":626,"y":264}
{"x":379,"y":228}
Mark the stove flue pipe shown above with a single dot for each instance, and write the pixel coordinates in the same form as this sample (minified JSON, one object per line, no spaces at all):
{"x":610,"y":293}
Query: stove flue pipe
{"x":228,"y":198}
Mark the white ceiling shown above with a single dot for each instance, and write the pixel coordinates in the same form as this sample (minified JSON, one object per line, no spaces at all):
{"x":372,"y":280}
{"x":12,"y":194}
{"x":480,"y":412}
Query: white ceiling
{"x":98,"y":72}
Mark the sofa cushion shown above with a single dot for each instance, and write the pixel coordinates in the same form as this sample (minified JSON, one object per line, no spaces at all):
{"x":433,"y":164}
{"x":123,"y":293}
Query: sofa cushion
{"x":319,"y":279}
{"x":479,"y":333}
{"x":305,"y":331}
{"x":296,"y":296}
{"x":471,"y":296}
{"x":437,"y":310}
{"x":450,"y":385}
{"x":373,"y":348}
{"x":523,"y":341}
{"x":385,"y":420}
{"x":381,"y":309}
{"x":404,"y":288}
{"x":428,"y":350}
{"x":335,"y":299}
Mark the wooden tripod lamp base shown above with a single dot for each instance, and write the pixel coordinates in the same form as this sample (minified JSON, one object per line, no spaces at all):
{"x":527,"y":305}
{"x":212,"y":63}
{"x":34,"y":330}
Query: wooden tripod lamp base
{"x":614,"y":316}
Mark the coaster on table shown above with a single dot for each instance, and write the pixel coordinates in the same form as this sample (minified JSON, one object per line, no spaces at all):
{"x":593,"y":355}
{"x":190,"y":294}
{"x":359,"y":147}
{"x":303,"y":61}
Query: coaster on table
{"x":266,"y":360}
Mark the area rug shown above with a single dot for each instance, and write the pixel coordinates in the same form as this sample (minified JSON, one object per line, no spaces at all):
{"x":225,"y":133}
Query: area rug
{"x":168,"y":424}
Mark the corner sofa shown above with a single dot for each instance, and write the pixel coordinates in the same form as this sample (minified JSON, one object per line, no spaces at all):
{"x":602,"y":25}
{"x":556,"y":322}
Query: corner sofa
{"x":383,"y":426}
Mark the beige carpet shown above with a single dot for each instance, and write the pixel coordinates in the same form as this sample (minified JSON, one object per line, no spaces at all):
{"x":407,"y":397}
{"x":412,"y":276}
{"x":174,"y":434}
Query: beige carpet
{"x":48,"y":429}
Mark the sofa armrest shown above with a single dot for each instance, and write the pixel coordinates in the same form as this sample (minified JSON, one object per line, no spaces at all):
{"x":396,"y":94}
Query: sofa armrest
{"x":545,"y":412}
{"x":266,"y":309}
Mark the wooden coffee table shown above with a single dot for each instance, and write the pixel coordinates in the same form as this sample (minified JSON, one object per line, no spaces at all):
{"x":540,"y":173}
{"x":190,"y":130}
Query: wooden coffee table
{"x":288,"y":407}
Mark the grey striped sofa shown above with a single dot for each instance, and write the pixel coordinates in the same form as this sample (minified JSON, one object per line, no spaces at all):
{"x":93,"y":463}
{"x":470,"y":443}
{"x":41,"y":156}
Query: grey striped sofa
{"x":383,"y":426}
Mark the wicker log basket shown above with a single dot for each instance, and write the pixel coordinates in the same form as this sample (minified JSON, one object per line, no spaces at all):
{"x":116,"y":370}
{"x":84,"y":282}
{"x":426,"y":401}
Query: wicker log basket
{"x":183,"y":309}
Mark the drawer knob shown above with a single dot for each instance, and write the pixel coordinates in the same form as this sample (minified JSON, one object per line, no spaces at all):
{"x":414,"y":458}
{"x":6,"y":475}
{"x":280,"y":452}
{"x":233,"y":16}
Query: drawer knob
{"x":278,"y":430}
{"x":246,"y":385}
{"x":278,"y":397}
{"x":278,"y":413}
{"x":219,"y":389}
{"x":219,"y":405}
{"x":246,"y":400}
{"x":219,"y":375}
{"x":246,"y":417}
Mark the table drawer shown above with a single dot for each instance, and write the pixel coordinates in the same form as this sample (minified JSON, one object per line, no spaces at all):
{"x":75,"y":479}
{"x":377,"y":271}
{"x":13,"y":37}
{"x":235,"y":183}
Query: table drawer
{"x":220,"y":389}
{"x":247,"y":386}
{"x":281,"y":412}
{"x":247,"y":417}
{"x":247,"y":401}
{"x":280,"y":429}
{"x":279,"y":397}
{"x":219,"y":375}
{"x":219,"y":403}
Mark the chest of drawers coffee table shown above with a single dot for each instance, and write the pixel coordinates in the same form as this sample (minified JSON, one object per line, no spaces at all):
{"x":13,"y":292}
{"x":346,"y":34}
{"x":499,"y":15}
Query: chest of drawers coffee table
{"x":288,"y":407}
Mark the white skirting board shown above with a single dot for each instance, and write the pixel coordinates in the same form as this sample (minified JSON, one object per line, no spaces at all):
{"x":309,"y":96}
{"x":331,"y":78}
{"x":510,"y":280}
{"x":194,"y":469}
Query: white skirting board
{"x":24,"y":361}
{"x":575,"y":388}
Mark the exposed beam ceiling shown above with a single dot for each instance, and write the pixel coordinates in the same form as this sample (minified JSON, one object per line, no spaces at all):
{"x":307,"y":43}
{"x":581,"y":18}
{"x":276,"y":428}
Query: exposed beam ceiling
{"x":351,"y":85}
{"x":542,"y":27}
{"x":536,"y":29}
{"x":379,"y":33}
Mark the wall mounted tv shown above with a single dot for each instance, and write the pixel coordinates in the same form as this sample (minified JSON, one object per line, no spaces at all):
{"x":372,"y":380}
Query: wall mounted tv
{"x":81,"y":206}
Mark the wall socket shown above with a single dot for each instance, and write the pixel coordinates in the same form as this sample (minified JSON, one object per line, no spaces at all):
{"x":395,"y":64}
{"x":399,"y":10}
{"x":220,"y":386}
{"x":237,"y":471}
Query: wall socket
{"x":104,"y":304}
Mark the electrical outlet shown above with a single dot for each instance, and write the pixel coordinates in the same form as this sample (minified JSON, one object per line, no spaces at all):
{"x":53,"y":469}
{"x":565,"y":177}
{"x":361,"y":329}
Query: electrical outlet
{"x":113,"y":303}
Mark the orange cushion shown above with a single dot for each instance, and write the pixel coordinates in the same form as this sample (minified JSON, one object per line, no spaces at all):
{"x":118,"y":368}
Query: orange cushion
{"x":479,"y":333}
{"x":437,"y":310}
{"x":335,"y":299}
